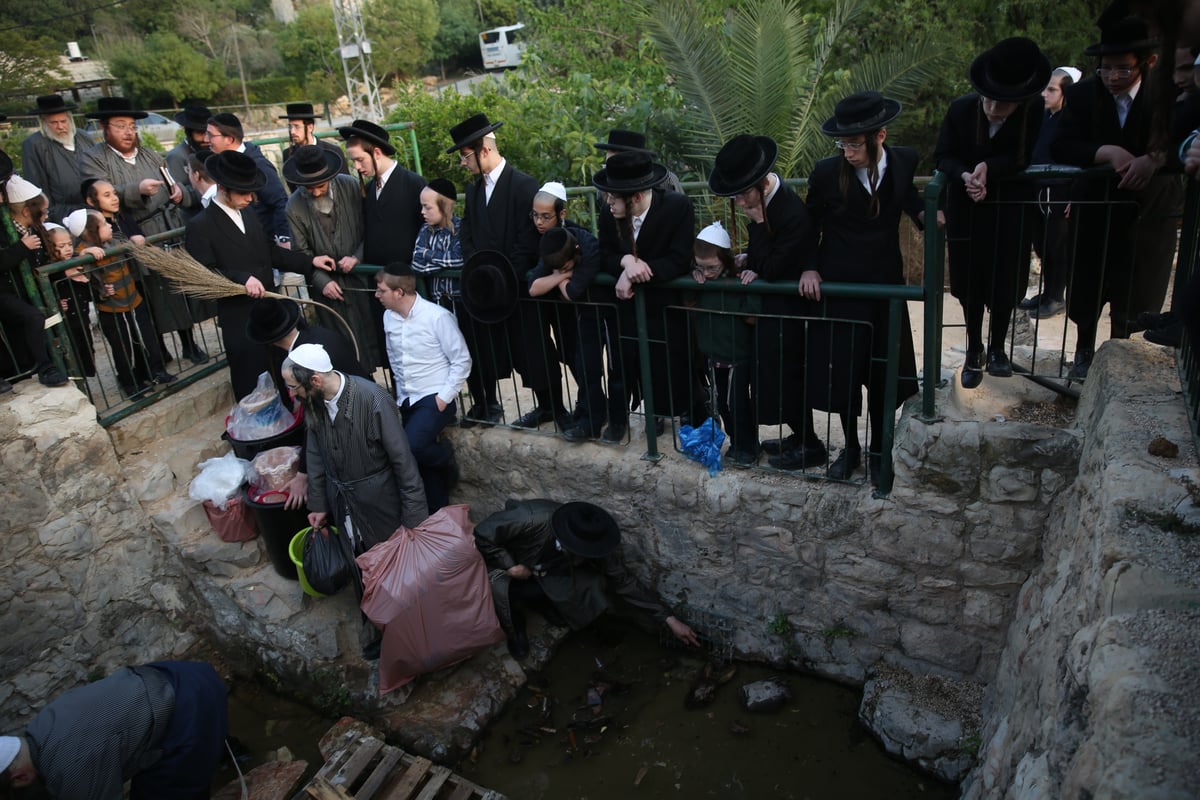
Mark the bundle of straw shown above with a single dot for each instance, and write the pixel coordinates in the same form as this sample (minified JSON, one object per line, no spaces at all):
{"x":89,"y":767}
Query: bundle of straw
{"x":196,"y":280}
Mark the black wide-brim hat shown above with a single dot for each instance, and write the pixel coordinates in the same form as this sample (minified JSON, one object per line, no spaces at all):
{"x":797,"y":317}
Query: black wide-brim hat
{"x":862,"y":112}
{"x":115,"y":107}
{"x":489,"y":286}
{"x":1013,"y":70}
{"x":622,"y":141}
{"x":271,"y":319}
{"x":51,"y":104}
{"x":471,"y":130}
{"x":6,"y":167}
{"x":300,"y":111}
{"x":194,"y":118}
{"x":235,"y":171}
{"x":368,"y":132}
{"x":584,"y":529}
{"x":629,"y":172}
{"x":1125,"y":35}
{"x":311,"y":165}
{"x":741,"y":163}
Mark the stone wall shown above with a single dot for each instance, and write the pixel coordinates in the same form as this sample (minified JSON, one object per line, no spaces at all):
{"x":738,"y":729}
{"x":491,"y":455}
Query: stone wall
{"x":86,"y":583}
{"x":1097,"y":691}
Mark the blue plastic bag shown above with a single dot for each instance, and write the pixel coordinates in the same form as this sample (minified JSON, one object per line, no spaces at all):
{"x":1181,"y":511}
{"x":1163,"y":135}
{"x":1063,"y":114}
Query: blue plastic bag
{"x":703,"y":443}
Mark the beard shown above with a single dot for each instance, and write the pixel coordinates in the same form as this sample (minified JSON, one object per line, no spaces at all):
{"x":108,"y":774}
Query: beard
{"x":67,"y":139}
{"x":323,"y":204}
{"x":314,"y":407}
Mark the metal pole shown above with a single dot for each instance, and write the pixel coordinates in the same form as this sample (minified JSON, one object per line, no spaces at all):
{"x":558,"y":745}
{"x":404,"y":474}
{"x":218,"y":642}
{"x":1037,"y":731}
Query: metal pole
{"x":934,"y":278}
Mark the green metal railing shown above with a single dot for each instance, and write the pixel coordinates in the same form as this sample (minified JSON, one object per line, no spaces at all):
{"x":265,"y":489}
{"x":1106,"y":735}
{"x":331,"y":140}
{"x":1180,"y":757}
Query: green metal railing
{"x":413,"y":150}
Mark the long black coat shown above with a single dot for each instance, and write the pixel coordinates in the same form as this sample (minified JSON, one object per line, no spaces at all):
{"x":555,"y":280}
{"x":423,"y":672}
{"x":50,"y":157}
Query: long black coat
{"x":214,"y":240}
{"x":989,"y":241}
{"x":392,"y":219}
{"x":1130,"y":267}
{"x":856,"y":247}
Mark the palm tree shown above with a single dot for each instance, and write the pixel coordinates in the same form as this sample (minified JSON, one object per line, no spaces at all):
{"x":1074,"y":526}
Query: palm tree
{"x":768,"y":68}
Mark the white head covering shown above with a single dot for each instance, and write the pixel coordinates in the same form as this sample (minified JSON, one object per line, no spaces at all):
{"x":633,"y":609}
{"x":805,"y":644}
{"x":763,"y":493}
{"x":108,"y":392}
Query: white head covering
{"x":556,"y":189}
{"x":715,"y":234}
{"x":20,"y":190}
{"x":311,"y":356}
{"x":1074,"y":73}
{"x":75,"y":221}
{"x":9,"y":747}
{"x":53,"y":226}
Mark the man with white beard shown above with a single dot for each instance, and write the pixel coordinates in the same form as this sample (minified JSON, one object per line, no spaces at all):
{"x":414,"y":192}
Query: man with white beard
{"x":50,"y":157}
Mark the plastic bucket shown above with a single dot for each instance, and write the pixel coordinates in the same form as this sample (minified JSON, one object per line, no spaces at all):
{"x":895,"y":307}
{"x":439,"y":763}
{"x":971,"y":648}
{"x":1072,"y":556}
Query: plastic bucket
{"x":296,"y":553}
{"x":277,"y":525}
{"x":249,"y":448}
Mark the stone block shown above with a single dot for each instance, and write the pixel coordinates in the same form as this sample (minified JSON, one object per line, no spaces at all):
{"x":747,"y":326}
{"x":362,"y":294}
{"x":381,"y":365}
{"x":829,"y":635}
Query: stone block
{"x":941,"y":645}
{"x":918,"y":729}
{"x":986,"y":610}
{"x":1129,"y":588}
{"x":1004,"y":484}
{"x":67,"y":537}
{"x":906,"y":538}
{"x":867,"y":571}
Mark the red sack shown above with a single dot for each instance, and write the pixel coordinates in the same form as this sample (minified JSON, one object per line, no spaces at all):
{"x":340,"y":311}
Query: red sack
{"x":234,"y":524}
{"x":429,"y":589}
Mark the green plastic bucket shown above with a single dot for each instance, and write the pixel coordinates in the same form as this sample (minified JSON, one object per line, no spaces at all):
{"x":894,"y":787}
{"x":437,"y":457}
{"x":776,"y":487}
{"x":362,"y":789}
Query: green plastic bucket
{"x":296,"y":551}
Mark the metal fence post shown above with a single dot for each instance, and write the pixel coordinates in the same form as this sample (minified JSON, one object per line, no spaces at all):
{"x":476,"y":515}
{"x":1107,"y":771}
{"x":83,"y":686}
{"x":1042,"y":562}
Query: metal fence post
{"x":934,"y":278}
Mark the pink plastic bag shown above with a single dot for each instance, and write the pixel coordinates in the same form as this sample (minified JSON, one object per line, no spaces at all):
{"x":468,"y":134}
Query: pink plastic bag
{"x":429,"y":589}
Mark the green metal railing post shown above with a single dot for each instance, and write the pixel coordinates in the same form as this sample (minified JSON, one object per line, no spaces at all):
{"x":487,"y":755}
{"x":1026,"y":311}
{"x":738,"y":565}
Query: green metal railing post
{"x":934,"y":278}
{"x":639,"y":310}
{"x":892,"y":375}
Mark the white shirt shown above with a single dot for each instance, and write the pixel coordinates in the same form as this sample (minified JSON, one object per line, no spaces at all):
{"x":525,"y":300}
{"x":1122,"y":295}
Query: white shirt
{"x":1125,"y":100}
{"x":131,"y":160}
{"x":637,"y":221}
{"x":490,"y":179}
{"x":331,"y":405}
{"x":208,"y":196}
{"x":232,"y":213}
{"x":381,"y":179}
{"x":427,"y":352}
{"x":865,"y":179}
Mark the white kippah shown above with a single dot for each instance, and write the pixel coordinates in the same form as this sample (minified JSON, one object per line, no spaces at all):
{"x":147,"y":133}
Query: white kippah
{"x":9,"y":747}
{"x":715,"y":234}
{"x":53,"y":226}
{"x":19,"y":190}
{"x":1074,"y":73}
{"x":75,"y":221}
{"x":311,"y":356}
{"x":556,"y":189}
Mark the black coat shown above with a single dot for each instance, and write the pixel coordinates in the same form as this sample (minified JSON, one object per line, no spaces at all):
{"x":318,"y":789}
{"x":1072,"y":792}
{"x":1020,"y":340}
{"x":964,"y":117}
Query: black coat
{"x":392,"y":219}
{"x":504,"y":223}
{"x":271,"y":201}
{"x":856,"y":247}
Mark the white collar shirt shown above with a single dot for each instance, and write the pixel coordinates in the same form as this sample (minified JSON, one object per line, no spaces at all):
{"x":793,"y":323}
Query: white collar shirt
{"x":331,"y":405}
{"x":208,"y":195}
{"x":865,"y":179}
{"x":130,"y":159}
{"x":637,"y":220}
{"x":1125,"y":100}
{"x":426,"y":351}
{"x":490,"y":180}
{"x":232,"y":213}
{"x":381,"y":179}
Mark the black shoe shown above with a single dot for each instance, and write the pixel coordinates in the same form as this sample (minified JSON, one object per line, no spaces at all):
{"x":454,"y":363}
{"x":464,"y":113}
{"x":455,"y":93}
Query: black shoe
{"x":660,"y":425}
{"x":487,"y":416}
{"x":580,"y":432}
{"x":873,"y":470}
{"x":1168,"y":335}
{"x":1148,"y":320}
{"x":1083,"y":362}
{"x":998,"y":364}
{"x":52,"y":376}
{"x":801,"y":458}
{"x":133,"y":392}
{"x":1030,"y":303}
{"x":162,"y":376}
{"x":518,"y":645}
{"x":741,"y":459}
{"x":371,"y":651}
{"x":5,"y":386}
{"x":972,"y":371}
{"x":845,"y":464}
{"x":532,"y":419}
{"x":194,"y":354}
{"x":615,"y":432}
{"x":1048,"y":308}
{"x":774,"y":447}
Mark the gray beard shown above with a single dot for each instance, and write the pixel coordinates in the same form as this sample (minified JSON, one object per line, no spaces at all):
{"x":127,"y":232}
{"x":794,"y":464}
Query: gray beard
{"x":66,"y":140}
{"x":323,"y":204}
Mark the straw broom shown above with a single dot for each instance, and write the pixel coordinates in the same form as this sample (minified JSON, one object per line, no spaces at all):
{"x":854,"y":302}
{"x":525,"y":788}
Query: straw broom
{"x":198,"y":281}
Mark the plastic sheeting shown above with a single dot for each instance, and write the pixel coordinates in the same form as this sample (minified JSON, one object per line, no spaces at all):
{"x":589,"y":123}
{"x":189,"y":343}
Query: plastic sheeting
{"x":428,"y":588}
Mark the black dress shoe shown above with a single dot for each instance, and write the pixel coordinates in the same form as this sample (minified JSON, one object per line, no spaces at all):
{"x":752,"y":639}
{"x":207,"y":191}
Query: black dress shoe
{"x":580,"y":432}
{"x":532,"y":419}
{"x":1169,"y":335}
{"x":1047,"y":309}
{"x":482,"y":415}
{"x":972,"y":372}
{"x":52,"y":376}
{"x":194,"y":354}
{"x":1083,"y":362}
{"x":162,"y":376}
{"x":845,"y":464}
{"x":1152,"y":319}
{"x":5,"y":386}
{"x":615,"y":432}
{"x":741,"y":459}
{"x":801,"y":458}
{"x":774,"y":447}
{"x":1030,"y":303}
{"x":998,"y":364}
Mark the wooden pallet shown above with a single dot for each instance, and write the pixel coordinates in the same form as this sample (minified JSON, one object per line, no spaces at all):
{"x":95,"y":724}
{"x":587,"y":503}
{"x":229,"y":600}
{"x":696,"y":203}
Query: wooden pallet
{"x":368,"y":769}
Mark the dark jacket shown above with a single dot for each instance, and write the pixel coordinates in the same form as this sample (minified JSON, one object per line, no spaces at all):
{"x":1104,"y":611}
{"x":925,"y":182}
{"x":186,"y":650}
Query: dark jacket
{"x":271,"y":200}
{"x":56,"y":171}
{"x":504,"y":223}
{"x":393,"y":219}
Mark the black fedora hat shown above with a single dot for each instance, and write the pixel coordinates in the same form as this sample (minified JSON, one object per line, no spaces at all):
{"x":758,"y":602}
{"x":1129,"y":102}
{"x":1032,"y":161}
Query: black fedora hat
{"x":741,"y":163}
{"x":51,"y":104}
{"x":471,"y":130}
{"x":194,"y":118}
{"x":584,"y":529}
{"x":1124,"y":35}
{"x":236,"y":171}
{"x":271,"y":319}
{"x":300,"y":111}
{"x":115,"y":107}
{"x":629,"y":172}
{"x":311,"y":165}
{"x":368,"y":132}
{"x":489,"y":286}
{"x":621,"y":141}
{"x":862,"y":112}
{"x":1013,"y":70}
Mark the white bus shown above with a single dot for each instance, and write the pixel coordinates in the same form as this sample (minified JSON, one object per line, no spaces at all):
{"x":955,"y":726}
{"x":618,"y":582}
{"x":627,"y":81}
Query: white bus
{"x":502,"y":47}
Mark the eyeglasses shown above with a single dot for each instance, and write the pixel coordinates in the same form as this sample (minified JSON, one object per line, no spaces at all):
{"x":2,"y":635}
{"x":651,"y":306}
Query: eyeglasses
{"x":292,"y":387}
{"x":1116,"y":72}
{"x":122,"y":128}
{"x":463,"y":155}
{"x":536,"y":217}
{"x":212,"y":135}
{"x":842,"y":144}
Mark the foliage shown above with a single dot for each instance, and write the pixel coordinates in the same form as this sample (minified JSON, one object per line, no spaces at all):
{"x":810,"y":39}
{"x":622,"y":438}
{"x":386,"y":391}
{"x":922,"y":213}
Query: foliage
{"x":28,"y":67}
{"x":402,"y":34}
{"x":457,"y":41}
{"x":779,"y":625}
{"x":11,"y":141}
{"x":308,"y":47}
{"x":770,"y":69}
{"x":163,"y":69}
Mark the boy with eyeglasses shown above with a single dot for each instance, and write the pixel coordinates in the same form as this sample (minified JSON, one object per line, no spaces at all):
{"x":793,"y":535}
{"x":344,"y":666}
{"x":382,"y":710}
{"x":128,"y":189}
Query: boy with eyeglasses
{"x":1110,"y":119}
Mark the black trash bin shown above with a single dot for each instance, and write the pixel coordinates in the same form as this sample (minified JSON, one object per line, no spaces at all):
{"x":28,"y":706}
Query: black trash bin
{"x":277,"y":525}
{"x":249,"y":448}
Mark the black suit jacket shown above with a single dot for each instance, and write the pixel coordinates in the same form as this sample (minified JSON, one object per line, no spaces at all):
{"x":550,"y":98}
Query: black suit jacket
{"x":271,"y":202}
{"x":393,"y":218}
{"x":503,"y":224}
{"x":782,"y":253}
{"x":664,"y":242}
{"x":1089,"y":120}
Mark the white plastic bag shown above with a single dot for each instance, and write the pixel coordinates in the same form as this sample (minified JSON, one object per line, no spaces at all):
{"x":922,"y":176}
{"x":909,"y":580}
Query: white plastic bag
{"x":220,"y":480}
{"x":272,"y":470}
{"x":260,"y":414}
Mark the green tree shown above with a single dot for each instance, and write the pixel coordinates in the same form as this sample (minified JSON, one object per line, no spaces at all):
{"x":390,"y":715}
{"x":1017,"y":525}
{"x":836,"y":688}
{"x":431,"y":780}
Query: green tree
{"x":457,"y":42}
{"x":402,"y":34}
{"x":27,"y":67}
{"x":770,"y":69}
{"x":163,"y":70}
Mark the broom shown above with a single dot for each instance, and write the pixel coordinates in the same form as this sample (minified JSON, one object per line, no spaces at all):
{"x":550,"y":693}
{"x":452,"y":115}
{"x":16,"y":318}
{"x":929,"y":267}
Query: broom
{"x":198,"y":281}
